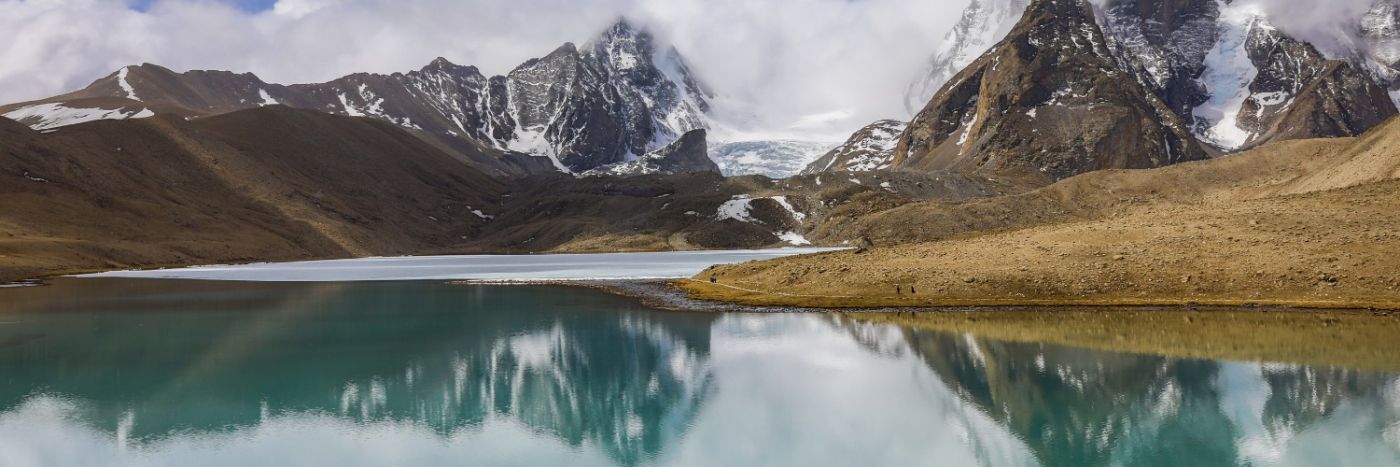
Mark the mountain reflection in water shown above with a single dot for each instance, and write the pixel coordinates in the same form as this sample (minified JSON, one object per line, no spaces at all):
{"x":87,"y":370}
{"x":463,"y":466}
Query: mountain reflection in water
{"x":120,"y":372}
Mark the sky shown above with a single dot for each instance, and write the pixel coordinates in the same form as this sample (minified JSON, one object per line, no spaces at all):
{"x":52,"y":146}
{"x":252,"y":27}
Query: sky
{"x":801,"y":69}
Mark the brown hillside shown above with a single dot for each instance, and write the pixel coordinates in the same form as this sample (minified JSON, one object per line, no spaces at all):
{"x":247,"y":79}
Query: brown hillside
{"x":264,"y":184}
{"x":1250,"y":228}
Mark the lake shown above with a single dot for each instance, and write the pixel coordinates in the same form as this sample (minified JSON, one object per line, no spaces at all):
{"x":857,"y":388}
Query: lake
{"x":113,"y":372}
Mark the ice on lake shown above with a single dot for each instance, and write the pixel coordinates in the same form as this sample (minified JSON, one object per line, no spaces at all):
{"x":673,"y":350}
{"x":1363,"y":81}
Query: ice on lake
{"x":602,"y":266}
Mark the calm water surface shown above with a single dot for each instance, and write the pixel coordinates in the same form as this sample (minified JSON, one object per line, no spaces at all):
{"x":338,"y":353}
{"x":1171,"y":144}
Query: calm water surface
{"x":131,"y":372}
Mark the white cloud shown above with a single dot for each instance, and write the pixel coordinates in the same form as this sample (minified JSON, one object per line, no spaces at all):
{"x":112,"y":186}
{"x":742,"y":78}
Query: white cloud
{"x":778,"y":65}
{"x":774,"y":62}
{"x":1330,"y":25}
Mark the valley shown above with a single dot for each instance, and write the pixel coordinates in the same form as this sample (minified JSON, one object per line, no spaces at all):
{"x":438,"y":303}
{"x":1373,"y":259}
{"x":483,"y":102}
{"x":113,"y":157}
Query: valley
{"x":1076,"y":158}
{"x":700,"y":232}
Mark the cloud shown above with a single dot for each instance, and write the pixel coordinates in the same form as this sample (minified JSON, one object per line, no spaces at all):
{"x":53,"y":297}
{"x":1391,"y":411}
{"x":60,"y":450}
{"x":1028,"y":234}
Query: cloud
{"x":782,"y":68}
{"x":1331,"y":25}
{"x":774,"y":62}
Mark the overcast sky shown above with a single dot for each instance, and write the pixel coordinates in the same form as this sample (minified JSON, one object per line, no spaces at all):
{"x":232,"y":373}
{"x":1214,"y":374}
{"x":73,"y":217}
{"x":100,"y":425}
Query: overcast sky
{"x":799,"y":68}
{"x":815,"y":69}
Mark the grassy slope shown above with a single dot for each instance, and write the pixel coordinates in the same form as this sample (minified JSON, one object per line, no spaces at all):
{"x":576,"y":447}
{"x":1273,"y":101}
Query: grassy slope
{"x":1250,"y":228}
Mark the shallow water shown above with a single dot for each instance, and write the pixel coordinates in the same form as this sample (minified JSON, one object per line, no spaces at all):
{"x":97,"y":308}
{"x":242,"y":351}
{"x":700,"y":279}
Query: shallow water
{"x":601,"y":266}
{"x":133,"y":372}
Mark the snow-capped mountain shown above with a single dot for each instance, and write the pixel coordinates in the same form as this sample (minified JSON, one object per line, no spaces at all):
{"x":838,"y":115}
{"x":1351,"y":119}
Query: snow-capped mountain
{"x":983,"y":24}
{"x":1380,"y":28}
{"x":771,"y":158}
{"x":1165,"y":44}
{"x":871,"y":148}
{"x":1263,"y":85}
{"x":617,"y":98}
{"x":1239,"y":80}
{"x":1220,"y":66}
{"x":1046,"y":103}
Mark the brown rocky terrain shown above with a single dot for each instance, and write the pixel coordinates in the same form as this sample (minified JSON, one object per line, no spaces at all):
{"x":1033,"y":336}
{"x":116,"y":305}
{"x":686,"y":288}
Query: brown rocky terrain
{"x":557,"y":213}
{"x":258,"y":185}
{"x":1304,"y":223}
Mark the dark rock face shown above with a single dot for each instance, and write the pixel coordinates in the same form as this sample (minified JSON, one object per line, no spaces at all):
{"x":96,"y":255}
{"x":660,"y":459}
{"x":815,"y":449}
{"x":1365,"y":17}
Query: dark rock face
{"x":617,"y":98}
{"x":1164,"y":43}
{"x":1380,"y":28}
{"x":689,"y":154}
{"x":871,"y":148}
{"x":1047,"y":103}
{"x":1298,"y":93}
{"x":575,"y":109}
{"x":1237,"y":80}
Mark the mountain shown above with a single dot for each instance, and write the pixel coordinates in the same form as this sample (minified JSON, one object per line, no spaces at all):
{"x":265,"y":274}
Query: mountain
{"x":261,"y":184}
{"x":983,"y":24}
{"x":871,"y":148}
{"x":1221,"y":67}
{"x":1197,"y":233}
{"x":1298,"y":93}
{"x":620,"y":96}
{"x":1165,"y":43}
{"x":689,"y":154}
{"x":1254,"y":84}
{"x":1046,"y":103}
{"x":770,"y":158}
{"x":1380,"y":29}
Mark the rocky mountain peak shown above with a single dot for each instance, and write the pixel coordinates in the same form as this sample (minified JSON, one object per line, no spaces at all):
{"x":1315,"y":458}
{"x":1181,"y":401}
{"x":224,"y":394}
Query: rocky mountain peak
{"x":1046,"y":103}
{"x":619,"y":96}
{"x":1380,"y":27}
{"x":442,"y":65}
{"x":1264,"y":85}
{"x":982,"y":24}
{"x":870,"y":148}
{"x":1165,"y":43}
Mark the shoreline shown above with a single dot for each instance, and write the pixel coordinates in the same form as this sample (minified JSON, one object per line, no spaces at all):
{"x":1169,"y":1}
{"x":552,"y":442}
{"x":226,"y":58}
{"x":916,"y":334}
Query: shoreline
{"x":705,"y":291}
{"x":1354,"y":339}
{"x":1358,"y":339}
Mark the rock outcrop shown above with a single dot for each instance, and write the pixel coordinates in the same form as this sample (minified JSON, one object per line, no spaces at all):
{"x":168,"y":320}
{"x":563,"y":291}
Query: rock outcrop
{"x":871,"y":148}
{"x":689,"y":154}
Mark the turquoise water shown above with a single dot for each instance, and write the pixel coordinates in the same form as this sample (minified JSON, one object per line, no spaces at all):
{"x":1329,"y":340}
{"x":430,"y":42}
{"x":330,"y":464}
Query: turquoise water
{"x":129,"y":372}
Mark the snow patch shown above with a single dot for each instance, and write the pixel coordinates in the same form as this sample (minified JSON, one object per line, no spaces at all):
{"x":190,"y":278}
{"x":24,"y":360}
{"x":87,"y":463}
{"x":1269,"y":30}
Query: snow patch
{"x":794,"y":239}
{"x":737,"y":209}
{"x":44,"y":117}
{"x":126,"y":85}
{"x":480,"y":214}
{"x":783,"y":201}
{"x":740,"y":209}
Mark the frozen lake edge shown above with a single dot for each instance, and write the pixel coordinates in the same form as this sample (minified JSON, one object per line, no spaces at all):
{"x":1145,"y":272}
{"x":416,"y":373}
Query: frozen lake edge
{"x":497,"y":268}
